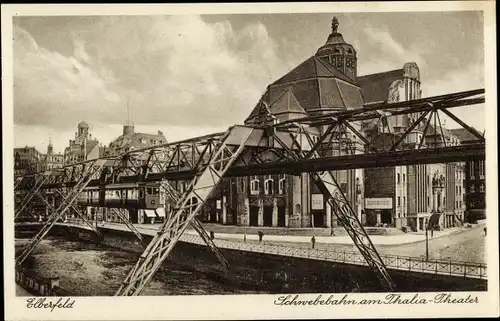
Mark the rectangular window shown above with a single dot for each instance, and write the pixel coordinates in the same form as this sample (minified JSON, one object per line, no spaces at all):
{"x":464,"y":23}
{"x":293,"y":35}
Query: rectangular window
{"x":472,"y":188}
{"x":481,"y":169}
{"x":471,"y":170}
{"x":404,"y":178}
{"x":404,"y":201}
{"x":460,"y":189}
{"x":481,"y":188}
{"x":399,"y":201}
{"x":399,"y":178}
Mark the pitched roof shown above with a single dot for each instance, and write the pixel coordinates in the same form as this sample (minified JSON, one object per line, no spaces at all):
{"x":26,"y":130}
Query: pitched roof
{"x":375,"y":87}
{"x":463,"y":135}
{"x":91,"y":144}
{"x":315,"y":85}
{"x":134,"y":140}
{"x":286,"y":103}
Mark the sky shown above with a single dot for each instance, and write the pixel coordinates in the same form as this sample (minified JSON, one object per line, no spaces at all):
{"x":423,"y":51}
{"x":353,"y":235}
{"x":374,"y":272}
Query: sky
{"x":192,"y":75}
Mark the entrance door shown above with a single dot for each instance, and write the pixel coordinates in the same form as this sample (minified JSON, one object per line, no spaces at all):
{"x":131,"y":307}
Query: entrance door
{"x":268,"y":216}
{"x":386,"y":217}
{"x":134,"y":216}
{"x":281,"y":216}
{"x":319,"y":219}
{"x":254,"y":216}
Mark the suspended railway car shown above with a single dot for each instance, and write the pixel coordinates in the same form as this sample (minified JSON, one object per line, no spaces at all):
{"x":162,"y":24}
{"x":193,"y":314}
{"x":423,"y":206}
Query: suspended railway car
{"x":126,"y":195}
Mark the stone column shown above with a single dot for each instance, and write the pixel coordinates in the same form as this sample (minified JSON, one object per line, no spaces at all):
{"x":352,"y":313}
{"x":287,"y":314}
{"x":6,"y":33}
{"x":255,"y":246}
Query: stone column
{"x":246,"y":213}
{"x":328,"y":209}
{"x":224,"y":210}
{"x":287,"y":215}
{"x":275,"y":212}
{"x":261,"y":213}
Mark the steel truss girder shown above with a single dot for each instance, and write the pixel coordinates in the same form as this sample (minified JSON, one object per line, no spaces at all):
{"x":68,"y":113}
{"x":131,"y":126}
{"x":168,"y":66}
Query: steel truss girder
{"x":181,"y":158}
{"x":89,"y":171}
{"x":208,"y":177}
{"x":346,"y":215}
{"x":174,"y":196}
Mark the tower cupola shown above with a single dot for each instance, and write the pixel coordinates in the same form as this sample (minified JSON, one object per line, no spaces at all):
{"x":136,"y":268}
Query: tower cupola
{"x":338,"y":53}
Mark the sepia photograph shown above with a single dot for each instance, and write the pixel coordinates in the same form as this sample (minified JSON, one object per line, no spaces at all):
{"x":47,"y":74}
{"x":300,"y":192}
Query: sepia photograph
{"x":285,"y":163}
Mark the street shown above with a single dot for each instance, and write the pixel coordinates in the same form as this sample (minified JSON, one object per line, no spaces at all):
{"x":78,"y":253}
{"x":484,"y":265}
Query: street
{"x":467,"y":245}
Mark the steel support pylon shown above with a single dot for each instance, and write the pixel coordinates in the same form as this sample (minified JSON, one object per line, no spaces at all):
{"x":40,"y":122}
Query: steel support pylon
{"x":77,"y":211}
{"x":88,"y":174}
{"x":342,"y":208}
{"x":203,"y":184}
{"x":174,"y":196}
{"x":40,"y":180}
{"x":128,"y":223}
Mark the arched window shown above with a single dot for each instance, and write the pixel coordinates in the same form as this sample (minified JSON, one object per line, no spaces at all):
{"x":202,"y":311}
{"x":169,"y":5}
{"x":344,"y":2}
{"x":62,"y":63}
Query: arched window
{"x":268,"y":185}
{"x":254,"y":185}
{"x":281,"y":184}
{"x":242,"y":185}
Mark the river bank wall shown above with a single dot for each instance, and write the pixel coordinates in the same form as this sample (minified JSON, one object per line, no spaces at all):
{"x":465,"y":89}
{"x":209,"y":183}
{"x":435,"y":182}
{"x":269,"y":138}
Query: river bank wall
{"x":271,"y":273}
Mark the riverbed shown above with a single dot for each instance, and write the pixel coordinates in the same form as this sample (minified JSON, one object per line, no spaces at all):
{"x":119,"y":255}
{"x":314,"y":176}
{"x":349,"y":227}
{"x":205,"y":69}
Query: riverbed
{"x":87,"y":269}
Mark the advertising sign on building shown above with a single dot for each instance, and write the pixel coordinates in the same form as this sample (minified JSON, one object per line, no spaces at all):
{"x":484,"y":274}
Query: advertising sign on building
{"x":219,"y":204}
{"x":317,"y":201}
{"x":378,"y":203}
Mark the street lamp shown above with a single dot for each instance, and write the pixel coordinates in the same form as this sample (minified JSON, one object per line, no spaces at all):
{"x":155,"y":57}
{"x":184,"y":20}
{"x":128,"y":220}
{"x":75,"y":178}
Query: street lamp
{"x":427,"y":243}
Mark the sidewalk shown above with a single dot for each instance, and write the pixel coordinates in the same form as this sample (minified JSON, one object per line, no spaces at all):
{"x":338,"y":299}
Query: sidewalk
{"x":343,"y":239}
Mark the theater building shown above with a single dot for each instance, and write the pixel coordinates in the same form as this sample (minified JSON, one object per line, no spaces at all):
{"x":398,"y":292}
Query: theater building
{"x":323,"y":83}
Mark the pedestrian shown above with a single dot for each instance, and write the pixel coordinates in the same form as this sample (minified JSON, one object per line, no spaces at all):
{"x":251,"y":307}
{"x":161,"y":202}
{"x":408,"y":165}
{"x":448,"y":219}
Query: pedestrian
{"x":484,"y":231}
{"x":212,"y":235}
{"x":331,"y":231}
{"x":261,"y":235}
{"x":313,"y":241}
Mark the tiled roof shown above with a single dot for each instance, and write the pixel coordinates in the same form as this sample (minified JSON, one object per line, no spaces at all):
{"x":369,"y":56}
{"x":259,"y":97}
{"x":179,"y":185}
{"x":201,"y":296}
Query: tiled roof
{"x":134,"y":140}
{"x":316,"y":85}
{"x":375,"y":87}
{"x":312,"y":67}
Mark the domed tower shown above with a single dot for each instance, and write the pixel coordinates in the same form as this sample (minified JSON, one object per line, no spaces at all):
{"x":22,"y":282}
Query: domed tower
{"x":338,"y":53}
{"x":50,"y":148}
{"x":83,"y":129}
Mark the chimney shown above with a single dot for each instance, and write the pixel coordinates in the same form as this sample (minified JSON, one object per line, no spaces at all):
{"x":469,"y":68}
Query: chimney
{"x":128,"y":129}
{"x":160,"y":133}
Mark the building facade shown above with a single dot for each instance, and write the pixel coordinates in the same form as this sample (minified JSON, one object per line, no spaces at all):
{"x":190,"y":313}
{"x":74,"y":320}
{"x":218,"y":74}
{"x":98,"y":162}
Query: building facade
{"x":26,"y":160}
{"x":400,"y":197}
{"x":51,"y":160}
{"x":474,"y":181}
{"x":83,"y":147}
{"x":130,"y":140}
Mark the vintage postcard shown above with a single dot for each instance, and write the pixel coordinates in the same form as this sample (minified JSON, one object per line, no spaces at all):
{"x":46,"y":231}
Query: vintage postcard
{"x":247,"y":161}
